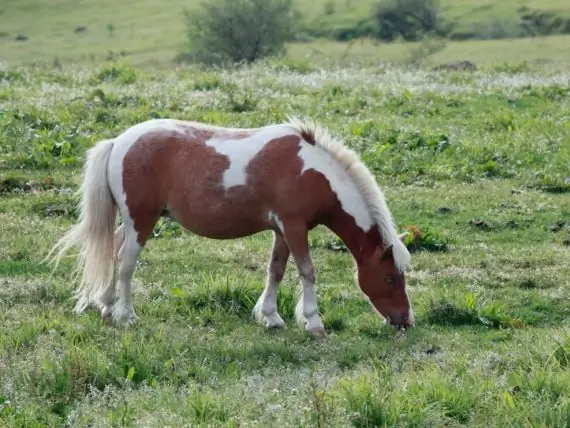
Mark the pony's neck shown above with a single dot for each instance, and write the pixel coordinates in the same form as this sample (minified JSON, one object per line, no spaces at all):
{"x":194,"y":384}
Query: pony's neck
{"x":360,"y":243}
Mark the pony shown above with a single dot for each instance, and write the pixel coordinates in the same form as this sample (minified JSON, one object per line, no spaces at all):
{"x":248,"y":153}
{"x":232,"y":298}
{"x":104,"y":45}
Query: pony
{"x":227,"y":183}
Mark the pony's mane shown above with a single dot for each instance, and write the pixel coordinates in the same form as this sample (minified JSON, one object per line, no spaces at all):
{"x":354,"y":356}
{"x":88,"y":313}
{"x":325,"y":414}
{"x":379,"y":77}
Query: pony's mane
{"x":350,"y":161}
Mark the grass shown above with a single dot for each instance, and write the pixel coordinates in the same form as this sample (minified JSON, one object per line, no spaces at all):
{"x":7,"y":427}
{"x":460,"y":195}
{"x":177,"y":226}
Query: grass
{"x":153,"y":32}
{"x":478,"y":162}
{"x":550,"y":52}
{"x":466,"y":14}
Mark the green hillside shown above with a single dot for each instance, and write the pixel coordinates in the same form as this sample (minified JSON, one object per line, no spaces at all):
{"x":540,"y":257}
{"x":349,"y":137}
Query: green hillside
{"x":468,"y":15}
{"x":79,"y":30}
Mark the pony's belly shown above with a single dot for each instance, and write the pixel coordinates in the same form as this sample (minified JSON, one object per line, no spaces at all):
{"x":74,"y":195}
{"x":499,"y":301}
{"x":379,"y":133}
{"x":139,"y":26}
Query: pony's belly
{"x":222,"y":223}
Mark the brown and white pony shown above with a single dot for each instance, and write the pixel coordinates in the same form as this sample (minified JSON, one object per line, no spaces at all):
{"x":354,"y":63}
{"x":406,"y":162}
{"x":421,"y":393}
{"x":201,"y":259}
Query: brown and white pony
{"x":227,"y":183}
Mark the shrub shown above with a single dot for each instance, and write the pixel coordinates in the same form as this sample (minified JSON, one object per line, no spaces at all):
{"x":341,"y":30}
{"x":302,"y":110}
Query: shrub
{"x":362,"y":28}
{"x":409,"y":19}
{"x":233,"y":31}
{"x":542,"y":23}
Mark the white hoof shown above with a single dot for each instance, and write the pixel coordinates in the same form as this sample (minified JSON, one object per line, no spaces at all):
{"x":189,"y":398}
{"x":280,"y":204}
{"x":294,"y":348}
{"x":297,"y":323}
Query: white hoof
{"x":106,"y":311}
{"x":271,"y":320}
{"x":123,"y":315}
{"x":274,"y":321}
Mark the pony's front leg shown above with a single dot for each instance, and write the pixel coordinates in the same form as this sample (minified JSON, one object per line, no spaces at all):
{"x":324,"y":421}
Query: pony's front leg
{"x":306,"y":311}
{"x":266,"y":307}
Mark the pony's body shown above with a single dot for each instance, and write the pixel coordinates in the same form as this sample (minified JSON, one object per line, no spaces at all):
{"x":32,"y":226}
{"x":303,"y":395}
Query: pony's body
{"x":226,"y":183}
{"x":199,"y":175}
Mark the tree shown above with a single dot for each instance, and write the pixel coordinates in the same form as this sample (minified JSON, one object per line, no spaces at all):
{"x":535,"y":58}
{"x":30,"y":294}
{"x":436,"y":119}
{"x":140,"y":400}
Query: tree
{"x":232,"y":31}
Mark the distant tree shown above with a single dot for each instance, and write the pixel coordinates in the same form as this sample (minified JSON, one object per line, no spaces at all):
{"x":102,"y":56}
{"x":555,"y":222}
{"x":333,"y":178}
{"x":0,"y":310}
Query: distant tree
{"x":231,"y":31}
{"x":409,"y":19}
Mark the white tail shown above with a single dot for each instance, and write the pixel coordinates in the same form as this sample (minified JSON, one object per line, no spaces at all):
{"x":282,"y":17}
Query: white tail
{"x":94,"y":233}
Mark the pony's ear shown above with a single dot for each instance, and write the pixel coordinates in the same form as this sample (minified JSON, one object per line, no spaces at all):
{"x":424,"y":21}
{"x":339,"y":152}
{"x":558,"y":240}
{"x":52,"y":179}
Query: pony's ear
{"x":387,"y":253}
{"x":403,"y":236}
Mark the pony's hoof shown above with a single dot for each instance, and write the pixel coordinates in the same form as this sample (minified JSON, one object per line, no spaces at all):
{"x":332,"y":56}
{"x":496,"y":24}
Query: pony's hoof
{"x":318,"y":333}
{"x":275,"y":325}
{"x":123,"y":316}
{"x":274,"y":322}
{"x":106,"y":311}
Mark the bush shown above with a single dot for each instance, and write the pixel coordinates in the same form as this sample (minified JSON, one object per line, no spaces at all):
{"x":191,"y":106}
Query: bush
{"x":542,"y":23}
{"x":362,"y":28}
{"x":409,"y":19}
{"x":233,"y":31}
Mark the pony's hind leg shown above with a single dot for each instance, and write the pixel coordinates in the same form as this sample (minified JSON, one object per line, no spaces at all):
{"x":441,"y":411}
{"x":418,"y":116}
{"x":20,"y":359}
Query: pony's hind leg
{"x":123,"y":311}
{"x":108,"y":297}
{"x":265,"y":309}
{"x":136,"y":232}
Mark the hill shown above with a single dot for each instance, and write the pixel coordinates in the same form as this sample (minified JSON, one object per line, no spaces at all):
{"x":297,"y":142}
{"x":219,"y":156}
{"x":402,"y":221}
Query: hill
{"x":84,"y":30}
{"x":479,"y":19}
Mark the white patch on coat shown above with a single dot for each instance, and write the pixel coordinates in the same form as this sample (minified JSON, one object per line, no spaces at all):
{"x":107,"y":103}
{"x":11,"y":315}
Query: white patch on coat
{"x":125,"y":140}
{"x":273,"y":218}
{"x":340,"y":181}
{"x":123,"y":143}
{"x":363,"y":180}
{"x":240,"y":152}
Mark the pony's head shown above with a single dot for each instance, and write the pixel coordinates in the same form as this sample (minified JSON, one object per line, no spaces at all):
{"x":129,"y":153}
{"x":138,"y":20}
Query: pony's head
{"x":384,"y":282}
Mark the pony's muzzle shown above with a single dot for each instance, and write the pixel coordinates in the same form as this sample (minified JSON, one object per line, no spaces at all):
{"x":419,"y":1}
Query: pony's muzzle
{"x":401,"y":320}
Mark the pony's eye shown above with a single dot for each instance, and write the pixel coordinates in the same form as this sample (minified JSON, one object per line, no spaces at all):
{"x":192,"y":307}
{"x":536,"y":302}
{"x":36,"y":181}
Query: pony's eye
{"x":389,"y":280}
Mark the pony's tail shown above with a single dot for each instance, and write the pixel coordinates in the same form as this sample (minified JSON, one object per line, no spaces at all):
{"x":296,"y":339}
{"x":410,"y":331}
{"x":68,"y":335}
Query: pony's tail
{"x":94,"y":233}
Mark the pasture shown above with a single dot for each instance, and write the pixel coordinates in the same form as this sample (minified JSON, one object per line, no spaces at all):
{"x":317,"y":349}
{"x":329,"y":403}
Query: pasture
{"x":478,"y":161}
{"x":153,"y":32}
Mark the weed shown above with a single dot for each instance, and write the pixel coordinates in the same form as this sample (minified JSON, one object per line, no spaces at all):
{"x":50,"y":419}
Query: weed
{"x":426,"y":240}
{"x":121,"y":74}
{"x":470,"y":311}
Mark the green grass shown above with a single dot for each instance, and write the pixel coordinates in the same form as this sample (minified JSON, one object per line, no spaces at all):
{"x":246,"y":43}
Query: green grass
{"x":478,"y":161}
{"x":153,"y":31}
{"x":464,"y":13}
{"x":551,"y":52}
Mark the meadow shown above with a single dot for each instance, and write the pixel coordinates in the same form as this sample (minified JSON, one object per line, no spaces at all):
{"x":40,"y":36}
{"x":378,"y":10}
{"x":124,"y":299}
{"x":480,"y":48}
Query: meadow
{"x":154,"y":32}
{"x":478,"y":161}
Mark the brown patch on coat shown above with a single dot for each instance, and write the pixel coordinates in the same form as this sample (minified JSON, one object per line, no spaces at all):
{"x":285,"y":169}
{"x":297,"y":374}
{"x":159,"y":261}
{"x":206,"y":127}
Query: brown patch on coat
{"x":309,"y":137}
{"x":178,"y":172}
{"x":276,"y":172}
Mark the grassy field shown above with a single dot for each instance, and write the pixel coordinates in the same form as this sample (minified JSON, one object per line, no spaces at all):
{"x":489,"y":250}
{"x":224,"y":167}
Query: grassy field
{"x":478,"y":161}
{"x":464,"y":13}
{"x":153,"y":31}
{"x":543,"y":53}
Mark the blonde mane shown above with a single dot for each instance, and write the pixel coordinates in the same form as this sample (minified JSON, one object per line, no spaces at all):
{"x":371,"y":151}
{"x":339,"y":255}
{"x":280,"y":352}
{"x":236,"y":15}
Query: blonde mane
{"x":350,"y":161}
